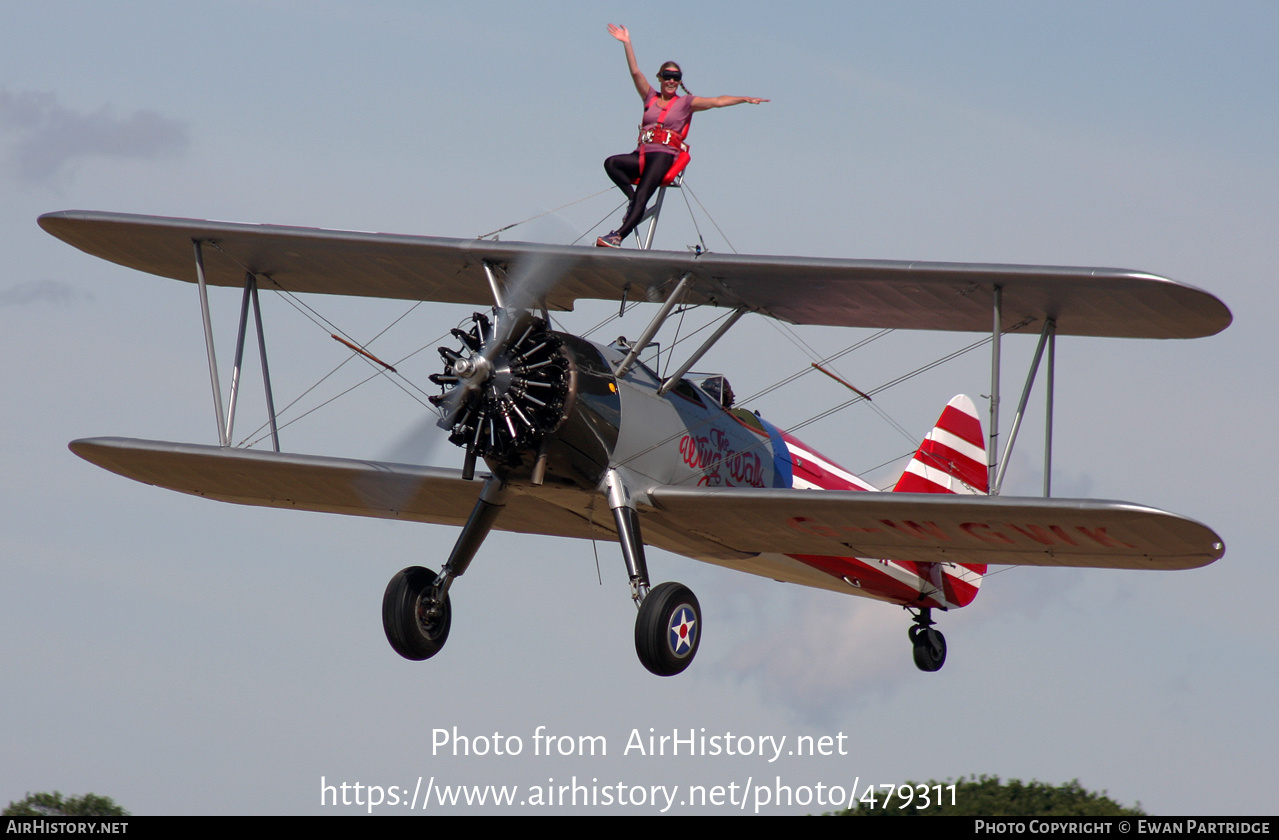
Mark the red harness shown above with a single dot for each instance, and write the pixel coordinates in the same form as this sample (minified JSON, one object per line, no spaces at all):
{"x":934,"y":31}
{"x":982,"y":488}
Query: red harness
{"x":660,"y":134}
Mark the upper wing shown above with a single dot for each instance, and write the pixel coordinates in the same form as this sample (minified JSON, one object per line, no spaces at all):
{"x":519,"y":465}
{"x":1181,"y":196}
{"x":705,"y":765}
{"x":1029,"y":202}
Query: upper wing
{"x":849,"y":293}
{"x":926,"y":527}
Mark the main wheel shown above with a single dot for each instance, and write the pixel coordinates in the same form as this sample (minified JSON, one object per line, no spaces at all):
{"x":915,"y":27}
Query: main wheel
{"x":411,"y":631}
{"x":930,"y":648}
{"x":668,"y":629}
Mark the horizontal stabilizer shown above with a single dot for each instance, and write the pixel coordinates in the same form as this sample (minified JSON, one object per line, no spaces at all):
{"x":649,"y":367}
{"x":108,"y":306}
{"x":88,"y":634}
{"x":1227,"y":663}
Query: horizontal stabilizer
{"x":931,"y":528}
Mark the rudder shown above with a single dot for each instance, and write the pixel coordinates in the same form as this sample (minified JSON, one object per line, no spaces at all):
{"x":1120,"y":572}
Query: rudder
{"x":951,"y":459}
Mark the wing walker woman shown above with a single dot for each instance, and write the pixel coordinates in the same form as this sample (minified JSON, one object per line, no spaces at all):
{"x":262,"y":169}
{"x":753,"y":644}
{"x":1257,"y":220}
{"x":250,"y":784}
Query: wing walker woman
{"x":661,"y":152}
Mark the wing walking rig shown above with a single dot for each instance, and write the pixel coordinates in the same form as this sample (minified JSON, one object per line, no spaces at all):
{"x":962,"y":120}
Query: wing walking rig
{"x":560,"y":422}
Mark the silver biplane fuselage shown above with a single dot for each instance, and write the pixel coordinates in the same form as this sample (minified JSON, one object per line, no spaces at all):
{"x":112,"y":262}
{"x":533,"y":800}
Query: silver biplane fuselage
{"x":683,"y":437}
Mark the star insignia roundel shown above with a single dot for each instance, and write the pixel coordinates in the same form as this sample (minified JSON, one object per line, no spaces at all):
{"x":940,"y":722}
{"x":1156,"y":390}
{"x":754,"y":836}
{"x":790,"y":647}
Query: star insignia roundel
{"x":682,"y":632}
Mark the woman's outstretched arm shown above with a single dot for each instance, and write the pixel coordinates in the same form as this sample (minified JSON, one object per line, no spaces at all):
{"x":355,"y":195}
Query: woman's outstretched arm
{"x":641,"y":84}
{"x":703,"y":103}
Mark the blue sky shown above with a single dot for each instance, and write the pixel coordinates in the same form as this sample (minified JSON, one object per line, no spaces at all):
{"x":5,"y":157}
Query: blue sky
{"x":184,"y":656}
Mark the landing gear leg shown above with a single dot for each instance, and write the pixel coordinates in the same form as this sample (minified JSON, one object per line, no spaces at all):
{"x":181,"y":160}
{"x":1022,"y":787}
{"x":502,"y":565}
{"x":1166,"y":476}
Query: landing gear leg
{"x":416,"y":613}
{"x":929,"y":644}
{"x":668,"y":628}
{"x":628,"y":534}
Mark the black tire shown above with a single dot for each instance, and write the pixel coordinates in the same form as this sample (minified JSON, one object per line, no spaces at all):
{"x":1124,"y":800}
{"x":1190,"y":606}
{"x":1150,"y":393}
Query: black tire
{"x":668,"y":629}
{"x":411,"y":634}
{"x":930,"y":648}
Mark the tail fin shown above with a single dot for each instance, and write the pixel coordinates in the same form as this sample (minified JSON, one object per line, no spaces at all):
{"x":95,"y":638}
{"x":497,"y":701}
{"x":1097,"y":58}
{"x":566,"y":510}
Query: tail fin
{"x":952,"y":458}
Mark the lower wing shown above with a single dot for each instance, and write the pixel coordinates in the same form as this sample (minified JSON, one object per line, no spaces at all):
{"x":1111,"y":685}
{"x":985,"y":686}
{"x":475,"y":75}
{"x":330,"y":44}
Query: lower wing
{"x":715,"y":524}
{"x":930,"y":528}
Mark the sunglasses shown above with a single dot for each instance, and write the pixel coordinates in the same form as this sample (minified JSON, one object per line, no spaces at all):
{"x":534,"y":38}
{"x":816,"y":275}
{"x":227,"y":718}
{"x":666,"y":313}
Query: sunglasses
{"x":671,"y":75}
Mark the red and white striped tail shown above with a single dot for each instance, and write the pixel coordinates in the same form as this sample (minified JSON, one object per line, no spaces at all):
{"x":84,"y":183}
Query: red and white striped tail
{"x":952,"y":458}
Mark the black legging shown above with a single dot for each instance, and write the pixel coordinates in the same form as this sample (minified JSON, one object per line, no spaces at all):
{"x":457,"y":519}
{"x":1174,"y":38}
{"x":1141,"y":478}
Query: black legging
{"x":623,"y":169}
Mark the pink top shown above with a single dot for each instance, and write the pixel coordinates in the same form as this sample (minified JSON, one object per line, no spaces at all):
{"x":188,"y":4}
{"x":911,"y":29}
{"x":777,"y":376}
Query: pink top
{"x":677,"y":118}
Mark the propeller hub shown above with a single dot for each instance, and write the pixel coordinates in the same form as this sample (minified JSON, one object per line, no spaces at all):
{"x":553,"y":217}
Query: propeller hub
{"x":472,"y":368}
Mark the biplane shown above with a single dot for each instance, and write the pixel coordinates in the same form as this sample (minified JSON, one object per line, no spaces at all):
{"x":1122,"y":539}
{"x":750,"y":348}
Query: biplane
{"x":565,"y":427}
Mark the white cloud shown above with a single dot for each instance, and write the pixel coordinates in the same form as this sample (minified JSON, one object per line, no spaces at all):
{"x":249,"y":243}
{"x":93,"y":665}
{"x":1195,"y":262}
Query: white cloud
{"x":45,"y":136}
{"x":51,"y":291}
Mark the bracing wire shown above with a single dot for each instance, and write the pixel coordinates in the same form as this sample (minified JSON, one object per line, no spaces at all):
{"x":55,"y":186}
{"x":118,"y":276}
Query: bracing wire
{"x":696,"y":226}
{"x":319,"y":320}
{"x":904,"y":377}
{"x":795,"y":338}
{"x":315,"y":317}
{"x":824,"y":361}
{"x":841,"y":406}
{"x":709,"y":216}
{"x":546,"y":213}
{"x":311,"y":314}
{"x":377,"y":372}
{"x":597,"y":224}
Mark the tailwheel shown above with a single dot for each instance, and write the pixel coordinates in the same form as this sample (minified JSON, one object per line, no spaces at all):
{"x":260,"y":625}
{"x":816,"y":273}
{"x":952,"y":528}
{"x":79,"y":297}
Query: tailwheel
{"x":416,"y":623}
{"x":929,"y":644}
{"x":668,"y":629}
